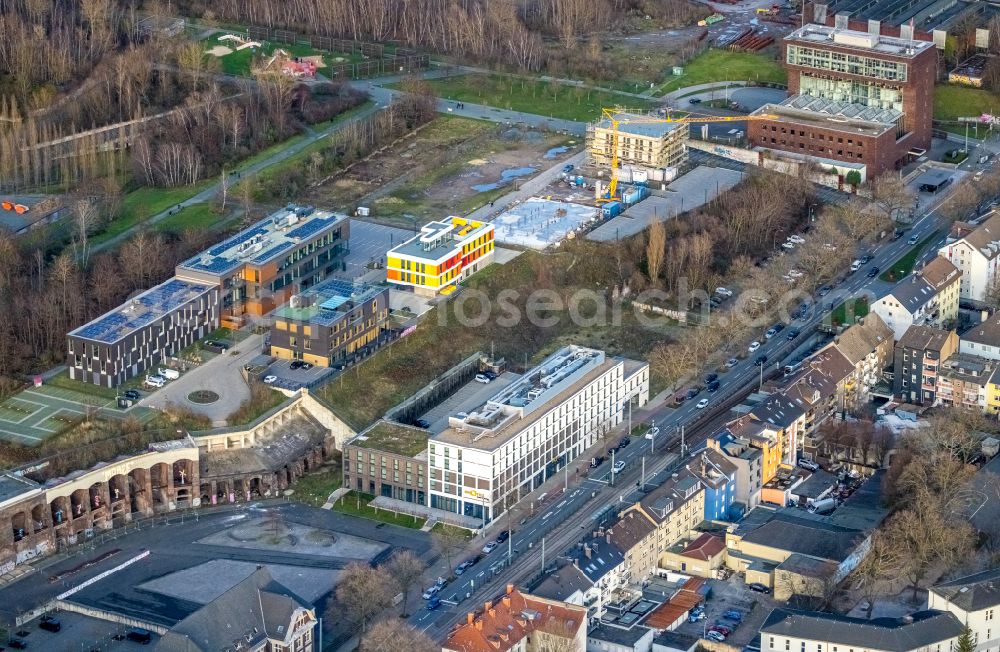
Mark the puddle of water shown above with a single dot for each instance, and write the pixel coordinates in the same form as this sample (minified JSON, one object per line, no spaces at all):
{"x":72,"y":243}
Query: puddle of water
{"x":556,"y":151}
{"x":513,"y":173}
{"x":485,"y":187}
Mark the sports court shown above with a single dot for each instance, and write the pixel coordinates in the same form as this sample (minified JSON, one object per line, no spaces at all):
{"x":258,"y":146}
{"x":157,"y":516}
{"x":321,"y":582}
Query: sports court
{"x":37,"y":413}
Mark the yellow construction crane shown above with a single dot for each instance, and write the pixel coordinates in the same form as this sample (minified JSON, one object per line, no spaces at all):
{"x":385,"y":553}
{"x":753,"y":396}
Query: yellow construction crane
{"x":620,"y":116}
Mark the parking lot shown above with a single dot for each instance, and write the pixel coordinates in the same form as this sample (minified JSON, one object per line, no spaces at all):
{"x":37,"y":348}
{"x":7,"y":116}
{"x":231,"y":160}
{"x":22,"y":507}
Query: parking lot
{"x":75,"y":629}
{"x":293,"y":379}
{"x":467,"y":397}
{"x":369,"y":242}
{"x":732,"y":594}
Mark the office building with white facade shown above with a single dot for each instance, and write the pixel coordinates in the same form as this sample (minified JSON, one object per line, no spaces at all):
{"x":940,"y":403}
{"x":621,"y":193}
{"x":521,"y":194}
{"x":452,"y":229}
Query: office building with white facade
{"x":488,"y":458}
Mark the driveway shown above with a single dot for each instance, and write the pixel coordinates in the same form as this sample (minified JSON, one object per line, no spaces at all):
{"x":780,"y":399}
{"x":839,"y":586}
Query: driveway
{"x":222,"y":375}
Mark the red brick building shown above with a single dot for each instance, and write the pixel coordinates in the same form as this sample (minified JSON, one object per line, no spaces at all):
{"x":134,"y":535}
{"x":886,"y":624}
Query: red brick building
{"x":860,"y":98}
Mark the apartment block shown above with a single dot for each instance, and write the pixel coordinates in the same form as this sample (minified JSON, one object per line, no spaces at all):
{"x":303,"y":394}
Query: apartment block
{"x":964,"y":381}
{"x":748,"y":461}
{"x":388,"y":459}
{"x":676,"y":507}
{"x":929,"y":297}
{"x":867,"y":345}
{"x":642,"y":144}
{"x":974,"y":249}
{"x":520,"y":622}
{"x":860,"y":98}
{"x":261,"y":267}
{"x":924,"y":631}
{"x":488,"y":458}
{"x":983,"y":339}
{"x":916,"y":361}
{"x":719,"y":478}
{"x":441,"y":256}
{"x":975,"y":601}
{"x":331,"y":324}
{"x":140,"y":334}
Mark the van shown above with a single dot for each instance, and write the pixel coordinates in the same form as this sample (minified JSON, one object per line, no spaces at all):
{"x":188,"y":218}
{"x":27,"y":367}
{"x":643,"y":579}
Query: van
{"x":856,"y":265}
{"x":170,"y":374}
{"x":139,"y":635}
{"x":155,"y":381}
{"x":824,"y":506}
{"x":792,"y":368}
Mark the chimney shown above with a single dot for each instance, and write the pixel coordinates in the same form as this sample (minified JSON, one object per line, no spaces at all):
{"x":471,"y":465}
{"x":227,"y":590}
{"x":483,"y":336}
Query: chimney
{"x":506,"y":601}
{"x":586,"y":550}
{"x":479,"y":625}
{"x":510,"y":589}
{"x":607,"y":537}
{"x":469,"y":617}
{"x":489,"y":605}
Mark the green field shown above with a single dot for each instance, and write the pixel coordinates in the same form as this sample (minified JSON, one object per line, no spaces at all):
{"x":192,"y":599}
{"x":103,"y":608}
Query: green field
{"x":954,"y":102}
{"x":239,"y":61}
{"x":196,"y":216}
{"x":839,"y":316}
{"x":722,"y":65}
{"x":139,"y":205}
{"x":902,"y":267}
{"x":315,"y":487}
{"x":532,"y":96}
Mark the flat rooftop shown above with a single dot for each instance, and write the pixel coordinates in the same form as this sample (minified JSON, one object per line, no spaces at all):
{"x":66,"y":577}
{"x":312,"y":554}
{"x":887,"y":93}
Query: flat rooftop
{"x":840,"y":116}
{"x":394,"y":438}
{"x":328,"y":302}
{"x":636,"y":127}
{"x":521,"y":403}
{"x":437,"y":239}
{"x":265,"y":241}
{"x":873,"y":44}
{"x":142,"y":310}
{"x":14,"y":486}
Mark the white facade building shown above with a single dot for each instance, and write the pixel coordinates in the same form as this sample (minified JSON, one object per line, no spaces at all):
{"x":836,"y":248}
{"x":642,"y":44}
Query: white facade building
{"x":974,"y":600}
{"x":488,"y":459}
{"x":787,"y":630}
{"x":976,"y":253}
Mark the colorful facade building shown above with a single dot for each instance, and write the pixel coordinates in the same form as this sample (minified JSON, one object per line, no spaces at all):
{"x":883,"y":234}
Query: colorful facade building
{"x":441,"y":255}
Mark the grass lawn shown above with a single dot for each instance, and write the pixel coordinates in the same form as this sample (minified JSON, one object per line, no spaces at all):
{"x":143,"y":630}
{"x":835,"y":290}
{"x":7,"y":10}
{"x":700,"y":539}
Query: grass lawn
{"x":451,"y":531}
{"x":238,"y":62}
{"x":263,"y":399}
{"x":538,"y":97}
{"x":902,"y":267}
{"x":952,"y":102}
{"x":63,"y":380}
{"x":141,"y":204}
{"x":356,"y":504}
{"x":197,"y":216}
{"x":315,"y":487}
{"x":722,"y":65}
{"x":839,"y":316}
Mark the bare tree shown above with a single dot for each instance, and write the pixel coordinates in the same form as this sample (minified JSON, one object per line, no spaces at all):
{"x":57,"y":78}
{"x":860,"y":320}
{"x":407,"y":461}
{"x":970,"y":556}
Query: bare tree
{"x":892,"y":197}
{"x":655,"y":249}
{"x":928,"y":539}
{"x":394,"y":635}
{"x":406,"y":569}
{"x":362,"y":594}
{"x":447,"y":544}
{"x":880,"y":566}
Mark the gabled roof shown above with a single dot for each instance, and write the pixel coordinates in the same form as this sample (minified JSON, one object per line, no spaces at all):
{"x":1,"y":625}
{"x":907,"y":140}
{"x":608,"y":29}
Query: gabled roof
{"x":705,"y":547}
{"x":858,"y":341}
{"x":662,"y":501}
{"x":255,"y":609}
{"x":509,"y":619}
{"x":630,"y":529}
{"x":712,"y":468}
{"x":988,"y":332}
{"x":679,"y":604}
{"x":986,"y":233}
{"x":972,"y":592}
{"x":940,"y":273}
{"x":597,"y":557}
{"x":563,"y":583}
{"x":924,"y":338}
{"x":920,"y":630}
{"x":777,"y":411}
{"x":915,"y":292}
{"x":819,"y":378}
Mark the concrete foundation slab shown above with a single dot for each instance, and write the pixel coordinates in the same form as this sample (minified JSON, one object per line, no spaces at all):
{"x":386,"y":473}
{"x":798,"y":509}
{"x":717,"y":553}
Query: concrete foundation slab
{"x":539,"y":223}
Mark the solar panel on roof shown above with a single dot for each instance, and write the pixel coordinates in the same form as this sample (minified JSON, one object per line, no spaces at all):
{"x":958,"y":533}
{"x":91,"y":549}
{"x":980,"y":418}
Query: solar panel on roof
{"x":308,"y":228}
{"x":334,"y":302}
{"x":273,"y":251}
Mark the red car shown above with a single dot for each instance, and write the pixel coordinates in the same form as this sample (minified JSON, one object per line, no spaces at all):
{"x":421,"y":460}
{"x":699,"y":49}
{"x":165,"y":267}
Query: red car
{"x":722,"y":629}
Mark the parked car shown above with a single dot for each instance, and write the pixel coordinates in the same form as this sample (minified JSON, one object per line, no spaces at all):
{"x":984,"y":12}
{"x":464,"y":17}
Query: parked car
{"x":825,"y":290}
{"x":423,"y":423}
{"x":732,"y":362}
{"x":856,"y":265}
{"x":771,"y":332}
{"x":568,"y":168}
{"x":132,"y":394}
{"x":50,"y":624}
{"x":433,"y":603}
{"x":17,"y":644}
{"x":757,"y":587}
{"x":715,"y":636}
{"x":808,"y":464}
{"x":753,"y":346}
{"x":296,"y":364}
{"x":490,"y":375}
{"x":873,"y":272}
{"x":724,"y":292}
{"x":734,"y":615}
{"x":792,"y":334}
{"x":155,"y":381}
{"x":306,"y":366}
{"x":169,"y":374}
{"x":694,"y":391}
{"x":695,"y":616}
{"x":797,"y":239}
{"x":866,"y":259}
{"x":216,"y":344}
{"x":713,"y":387}
{"x":619,"y":466}
{"x":596,"y":461}
{"x":440,"y":583}
{"x":502,"y":536}
{"x":788,"y":245}
{"x":270,"y":379}
{"x":914,"y":239}
{"x":490,"y":547}
{"x":702,"y":404}
{"x":461,"y":568}
{"x":759,"y":362}
{"x":623,"y":442}
{"x":694,"y":100}
{"x":483,"y":378}
{"x":431,"y":592}
{"x":722,"y":629}
{"x":711,"y":378}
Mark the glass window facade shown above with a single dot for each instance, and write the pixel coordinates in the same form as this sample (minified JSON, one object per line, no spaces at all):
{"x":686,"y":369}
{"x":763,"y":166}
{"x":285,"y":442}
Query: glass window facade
{"x":852,"y":64}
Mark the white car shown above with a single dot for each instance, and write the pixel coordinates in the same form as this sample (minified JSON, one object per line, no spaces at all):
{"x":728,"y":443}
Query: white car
{"x":856,"y":265}
{"x":269,"y":379}
{"x":169,"y":374}
{"x":715,"y":636}
{"x":490,"y":547}
{"x":702,"y":404}
{"x":431,"y":592}
{"x":770,"y":333}
{"x":753,"y":346}
{"x":482,"y":378}
{"x":724,"y":292}
{"x":155,"y":381}
{"x":797,"y":239}
{"x":788,"y":245}
{"x":618,"y":467}
{"x":809,"y":464}
{"x":795,"y":273}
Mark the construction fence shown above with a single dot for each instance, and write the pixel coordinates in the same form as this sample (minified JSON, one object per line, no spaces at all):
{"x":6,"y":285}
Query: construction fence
{"x":378,"y":58}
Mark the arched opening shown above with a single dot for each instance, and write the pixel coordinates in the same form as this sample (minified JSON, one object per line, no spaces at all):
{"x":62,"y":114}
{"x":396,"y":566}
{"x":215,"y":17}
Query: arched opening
{"x":183,"y":477}
{"x":206,"y":494}
{"x":38,"y":518}
{"x":159,"y":476}
{"x":94,"y":493}
{"x":140,"y":499}
{"x":61,"y":511}
{"x":19,"y":523}
{"x":305,"y":463}
{"x":255,"y":488}
{"x":118,"y":489}
{"x":79,"y":501}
